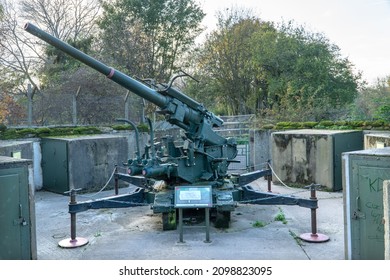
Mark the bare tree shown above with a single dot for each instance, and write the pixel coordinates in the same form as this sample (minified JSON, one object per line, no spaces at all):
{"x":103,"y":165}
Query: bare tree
{"x":64,"y":19}
{"x":20,"y":57}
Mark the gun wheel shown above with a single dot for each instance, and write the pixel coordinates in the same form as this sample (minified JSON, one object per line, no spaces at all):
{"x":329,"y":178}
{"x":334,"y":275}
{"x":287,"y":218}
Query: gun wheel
{"x":222,"y":219}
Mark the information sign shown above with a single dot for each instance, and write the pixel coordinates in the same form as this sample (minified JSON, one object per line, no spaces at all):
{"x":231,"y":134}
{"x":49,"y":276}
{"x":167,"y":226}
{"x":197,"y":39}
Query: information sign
{"x":193,"y":197}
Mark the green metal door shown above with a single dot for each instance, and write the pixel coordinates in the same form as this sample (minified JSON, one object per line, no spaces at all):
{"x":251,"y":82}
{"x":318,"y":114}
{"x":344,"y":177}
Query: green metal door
{"x":14,"y":214}
{"x":365,"y":206}
{"x":344,"y":142}
{"x":55,"y":165}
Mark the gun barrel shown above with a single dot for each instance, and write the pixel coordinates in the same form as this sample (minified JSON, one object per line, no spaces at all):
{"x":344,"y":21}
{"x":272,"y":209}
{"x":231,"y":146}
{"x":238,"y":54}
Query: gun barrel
{"x":127,"y":82}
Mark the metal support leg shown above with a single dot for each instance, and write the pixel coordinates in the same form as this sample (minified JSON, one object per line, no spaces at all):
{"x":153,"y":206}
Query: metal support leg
{"x":269,"y":178}
{"x":181,"y":225}
{"x":116,"y":179}
{"x":73,"y":241}
{"x":207,"y":220}
{"x":207,"y":225}
{"x":314,"y":236}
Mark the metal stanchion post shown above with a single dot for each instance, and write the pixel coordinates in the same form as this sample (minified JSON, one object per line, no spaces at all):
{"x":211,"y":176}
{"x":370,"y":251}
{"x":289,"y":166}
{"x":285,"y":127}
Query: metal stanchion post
{"x":73,"y":241}
{"x":314,"y":236}
{"x":269,"y":177}
{"x":181,"y":225}
{"x":207,"y":220}
{"x":116,"y":180}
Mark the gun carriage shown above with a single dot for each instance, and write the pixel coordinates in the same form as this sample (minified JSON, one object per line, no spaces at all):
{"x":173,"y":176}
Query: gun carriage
{"x":199,"y":165}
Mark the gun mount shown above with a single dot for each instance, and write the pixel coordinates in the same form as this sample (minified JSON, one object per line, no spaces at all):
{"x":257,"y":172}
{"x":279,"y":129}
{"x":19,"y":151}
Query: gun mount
{"x":202,"y":160}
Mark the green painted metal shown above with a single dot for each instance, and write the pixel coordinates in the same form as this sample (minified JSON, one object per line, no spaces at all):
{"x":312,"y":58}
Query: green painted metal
{"x":55,"y":173}
{"x":15,"y":219}
{"x":344,"y":142}
{"x":364,"y":230}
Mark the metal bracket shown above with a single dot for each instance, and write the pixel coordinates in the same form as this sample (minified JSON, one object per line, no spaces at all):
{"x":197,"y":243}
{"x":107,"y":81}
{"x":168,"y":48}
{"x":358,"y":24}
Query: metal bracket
{"x":251,"y":196}
{"x":136,"y":198}
{"x":249,"y":177}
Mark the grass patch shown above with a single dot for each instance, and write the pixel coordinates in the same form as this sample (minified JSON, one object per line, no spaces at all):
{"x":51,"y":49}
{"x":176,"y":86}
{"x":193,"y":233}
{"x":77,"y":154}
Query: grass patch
{"x":280,"y":217}
{"x":259,"y":224}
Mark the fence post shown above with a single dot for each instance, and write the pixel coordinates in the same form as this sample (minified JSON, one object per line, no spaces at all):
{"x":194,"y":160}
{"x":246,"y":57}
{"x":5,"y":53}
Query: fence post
{"x":74,"y":106}
{"x":29,"y":105}
{"x":127,"y":105}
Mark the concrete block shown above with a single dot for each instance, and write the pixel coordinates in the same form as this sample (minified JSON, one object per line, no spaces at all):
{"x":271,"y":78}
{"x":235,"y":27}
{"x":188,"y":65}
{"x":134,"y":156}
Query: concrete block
{"x":308,"y":156}
{"x":259,"y":147}
{"x":377,"y":140}
{"x":81,"y":162}
{"x":16,"y":149}
{"x":25,"y":149}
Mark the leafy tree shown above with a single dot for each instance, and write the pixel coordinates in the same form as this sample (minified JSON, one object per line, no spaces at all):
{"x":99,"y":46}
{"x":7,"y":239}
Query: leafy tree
{"x":225,"y":63}
{"x":283,"y":71}
{"x":306,"y":76}
{"x":148,"y":37}
{"x":10,"y":111}
{"x":372,"y":102}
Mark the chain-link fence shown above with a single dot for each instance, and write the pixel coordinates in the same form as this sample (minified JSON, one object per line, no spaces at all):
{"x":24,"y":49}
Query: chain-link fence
{"x":75,"y":109}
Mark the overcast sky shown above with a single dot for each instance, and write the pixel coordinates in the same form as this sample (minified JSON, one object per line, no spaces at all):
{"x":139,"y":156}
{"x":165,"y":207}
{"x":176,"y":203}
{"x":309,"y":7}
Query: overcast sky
{"x":361,"y":28}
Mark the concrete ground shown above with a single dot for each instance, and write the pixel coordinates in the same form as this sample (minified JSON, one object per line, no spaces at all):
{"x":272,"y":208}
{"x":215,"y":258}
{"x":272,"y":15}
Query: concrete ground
{"x":136,"y":233}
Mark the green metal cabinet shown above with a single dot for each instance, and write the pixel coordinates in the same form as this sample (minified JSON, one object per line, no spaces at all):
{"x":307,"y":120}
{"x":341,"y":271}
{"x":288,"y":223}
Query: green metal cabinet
{"x":364,"y":172}
{"x":17,"y":228}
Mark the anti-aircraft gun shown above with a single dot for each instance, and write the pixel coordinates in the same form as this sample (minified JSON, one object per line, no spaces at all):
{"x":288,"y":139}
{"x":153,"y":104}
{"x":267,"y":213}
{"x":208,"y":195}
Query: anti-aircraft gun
{"x":195,"y":174}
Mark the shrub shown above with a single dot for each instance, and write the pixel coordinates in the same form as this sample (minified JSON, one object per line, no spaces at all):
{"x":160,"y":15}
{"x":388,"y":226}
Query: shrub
{"x":326,"y":123}
{"x":268,"y":126}
{"x":43,"y":131}
{"x":309,"y":124}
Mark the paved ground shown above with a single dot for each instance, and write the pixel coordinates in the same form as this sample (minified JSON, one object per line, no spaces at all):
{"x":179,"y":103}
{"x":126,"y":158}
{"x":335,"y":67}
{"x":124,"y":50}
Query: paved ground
{"x":136,"y":233}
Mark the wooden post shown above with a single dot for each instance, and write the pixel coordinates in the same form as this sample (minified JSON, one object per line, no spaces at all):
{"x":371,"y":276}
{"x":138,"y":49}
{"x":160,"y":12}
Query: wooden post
{"x":386,"y":217}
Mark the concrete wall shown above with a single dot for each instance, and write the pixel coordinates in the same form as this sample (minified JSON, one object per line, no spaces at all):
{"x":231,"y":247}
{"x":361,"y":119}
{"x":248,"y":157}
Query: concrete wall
{"x":259,"y":147}
{"x":302,"y":157}
{"x":132,"y":143}
{"x":9,"y":148}
{"x":92,"y":160}
{"x":377,"y":140}
{"x":84,"y":155}
{"x":25,"y":149}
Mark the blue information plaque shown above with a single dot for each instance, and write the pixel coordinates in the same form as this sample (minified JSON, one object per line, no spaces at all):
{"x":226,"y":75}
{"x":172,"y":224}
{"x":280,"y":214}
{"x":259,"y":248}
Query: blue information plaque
{"x":193,"y":197}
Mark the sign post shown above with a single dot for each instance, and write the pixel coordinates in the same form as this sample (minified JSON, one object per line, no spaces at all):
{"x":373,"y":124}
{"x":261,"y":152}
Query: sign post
{"x":194,"y":197}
